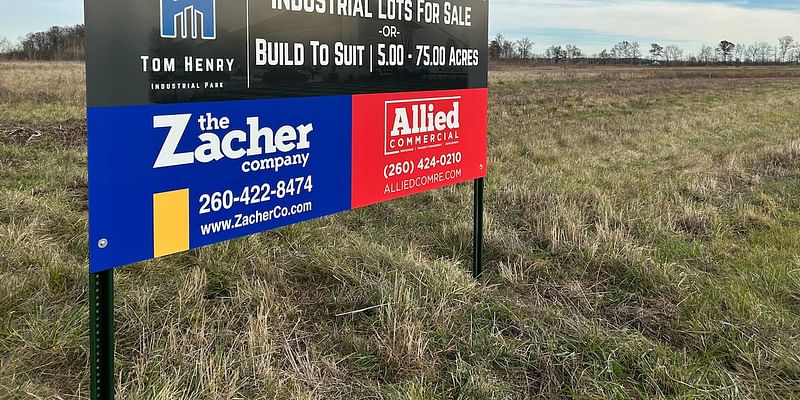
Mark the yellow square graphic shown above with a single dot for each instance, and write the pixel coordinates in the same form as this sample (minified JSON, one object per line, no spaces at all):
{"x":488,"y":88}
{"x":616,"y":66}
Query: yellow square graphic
{"x":170,"y":222}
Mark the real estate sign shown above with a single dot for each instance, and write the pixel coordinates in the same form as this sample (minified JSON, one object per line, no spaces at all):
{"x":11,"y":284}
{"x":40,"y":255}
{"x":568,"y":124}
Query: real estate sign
{"x":214,"y":119}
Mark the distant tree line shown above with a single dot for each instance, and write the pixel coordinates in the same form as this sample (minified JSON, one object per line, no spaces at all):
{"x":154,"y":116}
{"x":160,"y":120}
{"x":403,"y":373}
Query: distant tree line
{"x":786,"y":50}
{"x":67,"y":43}
{"x":56,"y":43}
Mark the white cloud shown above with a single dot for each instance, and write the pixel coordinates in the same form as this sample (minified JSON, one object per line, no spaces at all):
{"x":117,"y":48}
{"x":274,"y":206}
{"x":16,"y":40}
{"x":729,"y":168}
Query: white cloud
{"x":687,"y":23}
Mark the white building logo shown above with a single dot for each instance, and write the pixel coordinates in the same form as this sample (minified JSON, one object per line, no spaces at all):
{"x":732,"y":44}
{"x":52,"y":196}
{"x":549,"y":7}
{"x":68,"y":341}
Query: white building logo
{"x":189,"y":17}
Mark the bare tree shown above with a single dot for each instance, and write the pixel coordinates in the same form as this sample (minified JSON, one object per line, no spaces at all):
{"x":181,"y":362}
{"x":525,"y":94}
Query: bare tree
{"x":494,"y":50}
{"x":635,"y":52}
{"x":740,"y":52}
{"x":617,"y":51}
{"x":752,"y":53}
{"x":627,"y":50}
{"x":499,"y":43}
{"x":5,"y":46}
{"x":572,"y":52}
{"x":509,"y":49}
{"x":760,"y":51}
{"x":785,"y":47}
{"x":673,"y":53}
{"x":706,"y":54}
{"x":524,"y":47}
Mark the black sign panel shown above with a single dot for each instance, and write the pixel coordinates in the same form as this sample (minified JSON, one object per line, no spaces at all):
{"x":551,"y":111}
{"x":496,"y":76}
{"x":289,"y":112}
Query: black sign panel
{"x":167,"y":51}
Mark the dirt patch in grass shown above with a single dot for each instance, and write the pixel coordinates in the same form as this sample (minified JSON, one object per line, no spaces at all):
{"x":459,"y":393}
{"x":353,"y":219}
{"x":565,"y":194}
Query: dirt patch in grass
{"x":73,"y":134}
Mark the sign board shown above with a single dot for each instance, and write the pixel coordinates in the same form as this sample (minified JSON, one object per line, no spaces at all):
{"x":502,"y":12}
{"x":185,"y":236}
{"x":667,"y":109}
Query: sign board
{"x":214,"y":119}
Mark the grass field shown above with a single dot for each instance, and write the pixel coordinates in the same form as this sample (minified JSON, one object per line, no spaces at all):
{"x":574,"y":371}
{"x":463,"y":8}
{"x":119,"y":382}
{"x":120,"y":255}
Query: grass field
{"x":643,"y":239}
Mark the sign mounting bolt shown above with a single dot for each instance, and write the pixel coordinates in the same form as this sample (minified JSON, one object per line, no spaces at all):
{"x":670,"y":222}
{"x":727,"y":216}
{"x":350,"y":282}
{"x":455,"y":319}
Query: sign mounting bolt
{"x":102,"y":243}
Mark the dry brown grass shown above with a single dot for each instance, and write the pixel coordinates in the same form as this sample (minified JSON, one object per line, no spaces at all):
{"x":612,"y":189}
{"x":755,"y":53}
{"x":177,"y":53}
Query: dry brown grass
{"x":42,"y":92}
{"x":642,"y":241}
{"x":639,"y":73}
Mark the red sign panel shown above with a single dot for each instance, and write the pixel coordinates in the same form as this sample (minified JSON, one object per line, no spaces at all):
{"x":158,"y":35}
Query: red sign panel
{"x":407,"y":143}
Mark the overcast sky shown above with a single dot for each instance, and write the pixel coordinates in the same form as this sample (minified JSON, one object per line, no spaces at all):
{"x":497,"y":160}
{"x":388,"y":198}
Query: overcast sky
{"x":591,"y":24}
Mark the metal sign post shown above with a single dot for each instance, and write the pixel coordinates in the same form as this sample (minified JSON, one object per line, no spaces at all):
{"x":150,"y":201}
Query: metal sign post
{"x":477,"y":242}
{"x":101,"y":327}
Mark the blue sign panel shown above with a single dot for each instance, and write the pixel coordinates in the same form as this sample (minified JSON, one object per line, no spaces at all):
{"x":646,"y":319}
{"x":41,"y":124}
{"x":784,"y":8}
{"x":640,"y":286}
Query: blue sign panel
{"x":181,"y":176}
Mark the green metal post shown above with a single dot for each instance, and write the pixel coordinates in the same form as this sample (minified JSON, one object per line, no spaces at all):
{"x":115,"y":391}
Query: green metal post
{"x":101,"y":325}
{"x":477,"y":242}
